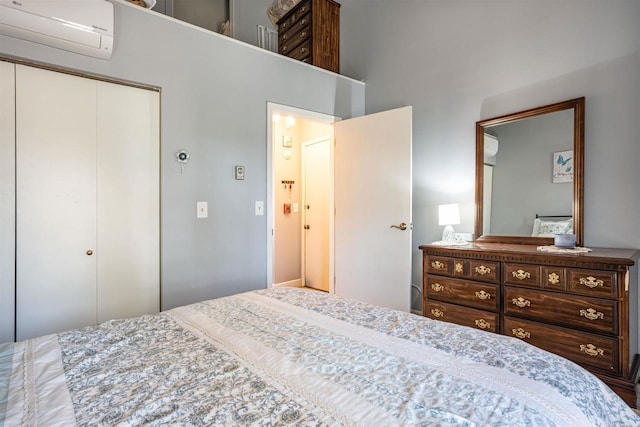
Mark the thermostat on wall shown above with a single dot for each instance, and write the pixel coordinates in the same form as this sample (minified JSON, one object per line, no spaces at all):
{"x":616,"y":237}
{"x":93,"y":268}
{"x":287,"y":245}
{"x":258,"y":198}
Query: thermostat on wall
{"x":239,"y":172}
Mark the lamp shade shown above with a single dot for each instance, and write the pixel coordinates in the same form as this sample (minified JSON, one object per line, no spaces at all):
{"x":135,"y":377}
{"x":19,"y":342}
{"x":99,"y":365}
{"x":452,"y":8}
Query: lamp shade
{"x":449,"y":214}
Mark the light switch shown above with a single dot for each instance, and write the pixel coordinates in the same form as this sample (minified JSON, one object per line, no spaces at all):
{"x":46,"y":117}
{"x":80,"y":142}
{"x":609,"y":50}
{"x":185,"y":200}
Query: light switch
{"x":202,"y":210}
{"x":295,"y":208}
{"x":259,"y":207}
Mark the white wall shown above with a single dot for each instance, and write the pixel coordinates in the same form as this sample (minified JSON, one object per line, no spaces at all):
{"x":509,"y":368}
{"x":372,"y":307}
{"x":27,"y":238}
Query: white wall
{"x":214,"y":104}
{"x":460,"y":61}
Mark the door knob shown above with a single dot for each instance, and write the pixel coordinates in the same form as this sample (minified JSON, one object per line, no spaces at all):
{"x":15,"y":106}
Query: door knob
{"x":402,"y":226}
{"x":89,"y":252}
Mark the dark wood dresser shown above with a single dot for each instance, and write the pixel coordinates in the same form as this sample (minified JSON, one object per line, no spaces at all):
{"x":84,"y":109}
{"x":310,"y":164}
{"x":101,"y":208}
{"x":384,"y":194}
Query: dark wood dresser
{"x":310,"y":32}
{"x":580,"y":306}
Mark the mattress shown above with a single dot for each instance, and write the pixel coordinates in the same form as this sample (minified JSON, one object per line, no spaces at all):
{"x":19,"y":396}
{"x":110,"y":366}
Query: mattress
{"x":295,"y":357}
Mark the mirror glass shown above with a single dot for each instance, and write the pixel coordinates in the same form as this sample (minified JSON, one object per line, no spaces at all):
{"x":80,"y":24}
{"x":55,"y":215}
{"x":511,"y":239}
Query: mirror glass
{"x":529,"y":174}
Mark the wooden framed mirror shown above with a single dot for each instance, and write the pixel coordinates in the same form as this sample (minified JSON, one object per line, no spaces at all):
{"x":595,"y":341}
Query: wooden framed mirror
{"x":529,"y":175}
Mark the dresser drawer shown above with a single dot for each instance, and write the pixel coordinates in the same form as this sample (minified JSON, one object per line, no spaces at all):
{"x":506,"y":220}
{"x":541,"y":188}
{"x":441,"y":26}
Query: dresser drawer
{"x":301,"y":52}
{"x":295,"y":17}
{"x":592,"y":282}
{"x":291,"y":39}
{"x":473,"y":294}
{"x":438,"y":265}
{"x":462,"y":315}
{"x":588,"y":350}
{"x":589,"y":314}
{"x":486,"y":271}
{"x":522,"y":274}
{"x":554,"y":278}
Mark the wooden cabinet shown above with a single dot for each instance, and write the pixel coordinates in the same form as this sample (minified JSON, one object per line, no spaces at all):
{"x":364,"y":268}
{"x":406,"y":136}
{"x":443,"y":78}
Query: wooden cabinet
{"x":310,"y":32}
{"x":577,"y":306}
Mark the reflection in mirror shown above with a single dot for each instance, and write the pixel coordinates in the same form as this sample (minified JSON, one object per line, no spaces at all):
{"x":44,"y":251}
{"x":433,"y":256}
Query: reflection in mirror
{"x":529,"y":174}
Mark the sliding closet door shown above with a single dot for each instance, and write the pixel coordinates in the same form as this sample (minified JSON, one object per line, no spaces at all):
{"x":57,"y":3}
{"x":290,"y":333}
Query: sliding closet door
{"x":128,"y":201}
{"x":55,"y":202}
{"x":7,"y":200}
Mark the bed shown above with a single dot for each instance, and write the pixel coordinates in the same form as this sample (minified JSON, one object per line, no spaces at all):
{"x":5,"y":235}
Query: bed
{"x":550,"y":225}
{"x":299,"y":357}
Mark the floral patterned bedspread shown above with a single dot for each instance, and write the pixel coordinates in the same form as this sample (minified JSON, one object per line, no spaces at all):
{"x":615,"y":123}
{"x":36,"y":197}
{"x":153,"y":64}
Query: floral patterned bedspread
{"x":294,"y":357}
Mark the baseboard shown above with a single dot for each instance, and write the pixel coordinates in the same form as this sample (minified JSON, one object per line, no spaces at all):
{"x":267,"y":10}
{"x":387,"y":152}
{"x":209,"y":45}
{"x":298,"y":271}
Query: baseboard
{"x":297,"y":283}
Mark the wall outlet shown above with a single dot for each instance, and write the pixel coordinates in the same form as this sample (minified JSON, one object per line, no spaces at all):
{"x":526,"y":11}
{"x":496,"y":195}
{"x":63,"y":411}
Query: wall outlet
{"x":467,"y":237}
{"x":259,"y":207}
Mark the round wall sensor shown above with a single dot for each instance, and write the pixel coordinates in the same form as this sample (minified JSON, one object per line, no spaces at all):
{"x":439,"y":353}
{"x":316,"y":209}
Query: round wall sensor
{"x":182,"y":156}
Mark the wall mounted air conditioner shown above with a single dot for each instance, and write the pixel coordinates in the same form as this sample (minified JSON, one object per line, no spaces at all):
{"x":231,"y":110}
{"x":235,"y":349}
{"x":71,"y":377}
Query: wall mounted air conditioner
{"x":81,"y":26}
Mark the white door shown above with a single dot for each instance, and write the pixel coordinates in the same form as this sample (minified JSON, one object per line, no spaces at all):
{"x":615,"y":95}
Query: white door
{"x":372,"y":198}
{"x":55,"y":202}
{"x":316,"y":171}
{"x":128,"y":191}
{"x":7,"y":200}
{"x":87,"y":202}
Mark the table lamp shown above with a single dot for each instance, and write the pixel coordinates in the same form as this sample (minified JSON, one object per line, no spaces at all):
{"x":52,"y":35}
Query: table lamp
{"x":449,"y":215}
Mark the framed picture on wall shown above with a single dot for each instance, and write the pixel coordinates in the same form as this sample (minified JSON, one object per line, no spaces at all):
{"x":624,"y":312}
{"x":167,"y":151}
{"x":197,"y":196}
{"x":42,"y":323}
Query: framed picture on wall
{"x":563,"y":166}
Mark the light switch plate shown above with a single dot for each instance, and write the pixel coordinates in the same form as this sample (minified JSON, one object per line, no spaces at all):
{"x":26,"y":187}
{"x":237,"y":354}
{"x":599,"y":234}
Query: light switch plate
{"x":259,"y":207}
{"x":202,"y":210}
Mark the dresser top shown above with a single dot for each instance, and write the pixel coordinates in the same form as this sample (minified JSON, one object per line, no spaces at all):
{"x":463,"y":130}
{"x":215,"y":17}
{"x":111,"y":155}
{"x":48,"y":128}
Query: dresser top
{"x":597,"y":258}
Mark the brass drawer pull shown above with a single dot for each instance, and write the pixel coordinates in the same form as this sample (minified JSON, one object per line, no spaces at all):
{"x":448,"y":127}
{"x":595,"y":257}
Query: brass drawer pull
{"x":437,"y":287}
{"x":437,"y":313}
{"x":591,"y":282}
{"x":591,"y":314}
{"x":521,"y":274}
{"x":438,"y":265}
{"x":521,"y":333}
{"x":483,"y":324}
{"x":284,"y":48}
{"x":303,"y":50}
{"x":483,"y":295}
{"x":591,"y":350}
{"x":554,"y":278}
{"x":303,"y":34}
{"x":459,"y":267}
{"x":482,"y":270}
{"x":521,"y":302}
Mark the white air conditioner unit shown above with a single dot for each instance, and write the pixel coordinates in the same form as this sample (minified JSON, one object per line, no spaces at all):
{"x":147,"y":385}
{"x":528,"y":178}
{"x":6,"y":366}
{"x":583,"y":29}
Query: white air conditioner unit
{"x":81,"y":26}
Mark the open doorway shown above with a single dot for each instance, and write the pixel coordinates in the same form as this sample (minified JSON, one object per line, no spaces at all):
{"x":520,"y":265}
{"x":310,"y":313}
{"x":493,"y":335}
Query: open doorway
{"x":300,"y":198}
{"x":369,"y":212}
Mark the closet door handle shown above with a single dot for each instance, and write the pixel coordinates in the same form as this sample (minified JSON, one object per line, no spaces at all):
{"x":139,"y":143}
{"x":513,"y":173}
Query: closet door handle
{"x":89,"y":252}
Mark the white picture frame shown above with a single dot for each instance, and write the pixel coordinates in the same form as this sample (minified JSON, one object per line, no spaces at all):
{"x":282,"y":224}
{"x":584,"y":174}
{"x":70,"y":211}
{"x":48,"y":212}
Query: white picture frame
{"x":562,"y":166}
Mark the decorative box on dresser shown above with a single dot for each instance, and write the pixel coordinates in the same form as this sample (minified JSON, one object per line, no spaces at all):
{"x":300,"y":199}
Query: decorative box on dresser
{"x":310,"y":32}
{"x":580,"y":306}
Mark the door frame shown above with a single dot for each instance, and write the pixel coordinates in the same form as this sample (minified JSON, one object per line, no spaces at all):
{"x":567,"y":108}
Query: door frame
{"x":302,"y":114}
